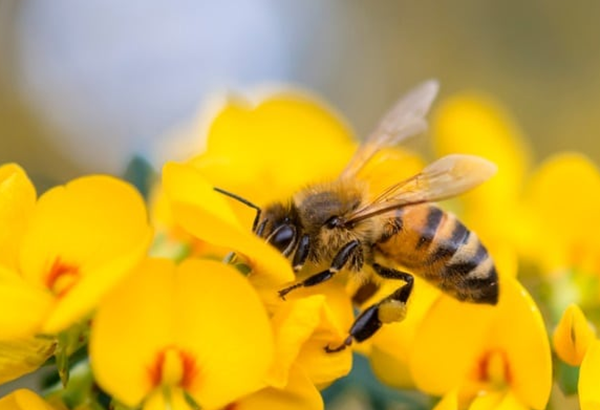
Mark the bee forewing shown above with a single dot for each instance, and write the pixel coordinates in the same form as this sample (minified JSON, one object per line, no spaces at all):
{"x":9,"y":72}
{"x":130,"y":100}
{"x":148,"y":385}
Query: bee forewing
{"x":405,"y":119}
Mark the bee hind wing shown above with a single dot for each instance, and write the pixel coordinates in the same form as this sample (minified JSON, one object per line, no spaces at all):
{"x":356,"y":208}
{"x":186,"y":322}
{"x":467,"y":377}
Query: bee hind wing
{"x":445,"y":178}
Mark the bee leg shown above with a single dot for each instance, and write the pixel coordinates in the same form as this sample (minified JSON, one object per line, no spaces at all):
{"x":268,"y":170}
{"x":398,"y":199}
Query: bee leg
{"x":351,"y":249}
{"x":390,"y":309}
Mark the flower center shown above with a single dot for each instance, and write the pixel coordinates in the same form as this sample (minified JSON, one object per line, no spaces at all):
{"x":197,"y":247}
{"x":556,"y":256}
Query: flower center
{"x":493,"y":367}
{"x":173,"y":367}
{"x":62,"y":277}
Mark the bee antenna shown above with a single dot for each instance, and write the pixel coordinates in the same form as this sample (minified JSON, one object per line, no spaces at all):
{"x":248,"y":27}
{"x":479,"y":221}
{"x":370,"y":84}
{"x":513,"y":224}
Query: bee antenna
{"x":243,"y":201}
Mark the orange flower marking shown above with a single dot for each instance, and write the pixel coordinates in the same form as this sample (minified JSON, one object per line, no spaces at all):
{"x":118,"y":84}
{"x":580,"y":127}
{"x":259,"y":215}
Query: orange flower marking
{"x":173,"y":367}
{"x":62,"y":277}
{"x":493,"y":368}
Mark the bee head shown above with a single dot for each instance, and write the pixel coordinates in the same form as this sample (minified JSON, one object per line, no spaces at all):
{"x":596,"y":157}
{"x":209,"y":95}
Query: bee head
{"x":278,"y":226}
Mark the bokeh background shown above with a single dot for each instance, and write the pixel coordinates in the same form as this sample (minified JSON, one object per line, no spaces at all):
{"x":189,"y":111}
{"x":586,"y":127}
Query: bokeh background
{"x":86,"y":84}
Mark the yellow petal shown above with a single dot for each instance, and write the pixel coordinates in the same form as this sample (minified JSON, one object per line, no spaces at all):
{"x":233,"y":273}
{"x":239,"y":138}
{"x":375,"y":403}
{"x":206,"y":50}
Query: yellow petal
{"x":23,"y":307}
{"x":22,"y":356}
{"x":573,"y":336}
{"x":303,"y":327}
{"x":17,"y":200}
{"x":299,"y":394}
{"x":284,"y":142}
{"x":83,"y":238}
{"x":220,"y":320}
{"x":589,"y":374}
{"x":474,"y":124}
{"x":206,"y":215}
{"x":24,"y":399}
{"x":472,"y":334}
{"x":521,"y":332}
{"x":566,"y":186}
{"x":132,"y":324}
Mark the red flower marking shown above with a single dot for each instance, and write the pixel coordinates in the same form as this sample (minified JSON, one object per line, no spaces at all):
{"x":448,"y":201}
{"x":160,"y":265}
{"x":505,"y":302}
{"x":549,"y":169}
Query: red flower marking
{"x":62,"y":277}
{"x":188,"y":363}
{"x":483,"y":366}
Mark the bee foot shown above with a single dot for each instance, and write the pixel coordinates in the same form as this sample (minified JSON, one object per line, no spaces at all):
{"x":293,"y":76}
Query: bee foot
{"x":341,"y":347}
{"x":287,"y":290}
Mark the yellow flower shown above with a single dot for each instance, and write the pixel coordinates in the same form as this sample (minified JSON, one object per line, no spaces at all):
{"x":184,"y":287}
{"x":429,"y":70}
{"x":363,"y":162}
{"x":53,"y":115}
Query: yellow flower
{"x":573,"y":336}
{"x":477,"y":350}
{"x":302,"y":328}
{"x":73,"y":245}
{"x":197,"y":328}
{"x":575,"y":343}
{"x":24,"y":399}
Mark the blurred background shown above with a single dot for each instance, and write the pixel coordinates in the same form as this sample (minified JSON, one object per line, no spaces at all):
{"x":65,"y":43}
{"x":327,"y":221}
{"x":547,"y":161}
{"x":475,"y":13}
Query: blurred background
{"x":84,"y":85}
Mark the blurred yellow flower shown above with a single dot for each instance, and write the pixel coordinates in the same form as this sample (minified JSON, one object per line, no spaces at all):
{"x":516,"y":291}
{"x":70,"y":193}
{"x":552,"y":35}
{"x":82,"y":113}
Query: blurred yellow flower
{"x":561,"y":211}
{"x":573,"y":336}
{"x":197,"y":328}
{"x":474,"y":351}
{"x":576,"y":344}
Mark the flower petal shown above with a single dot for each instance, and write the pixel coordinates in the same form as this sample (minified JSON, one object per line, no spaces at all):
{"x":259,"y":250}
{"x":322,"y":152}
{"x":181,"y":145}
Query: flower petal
{"x":573,"y":336}
{"x":17,"y":201}
{"x":299,"y":394}
{"x":132,"y":324}
{"x":95,"y":228}
{"x":474,"y":124}
{"x":284,"y":142}
{"x":24,"y":399}
{"x":220,"y":320}
{"x":23,"y":307}
{"x":589,"y":374}
{"x":303,"y":327}
{"x":22,"y":356}
{"x":207,"y":216}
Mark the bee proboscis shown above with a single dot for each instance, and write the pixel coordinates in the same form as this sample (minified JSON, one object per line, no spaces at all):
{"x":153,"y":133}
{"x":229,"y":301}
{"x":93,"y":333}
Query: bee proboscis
{"x":342,"y":224}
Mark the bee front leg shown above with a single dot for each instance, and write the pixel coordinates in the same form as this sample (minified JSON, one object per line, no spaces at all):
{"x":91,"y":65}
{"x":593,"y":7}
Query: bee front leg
{"x":349,"y":250}
{"x":390,"y":309}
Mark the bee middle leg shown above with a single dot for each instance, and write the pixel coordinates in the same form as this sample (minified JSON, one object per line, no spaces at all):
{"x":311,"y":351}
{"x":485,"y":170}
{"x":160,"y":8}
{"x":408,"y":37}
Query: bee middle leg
{"x":390,"y":309}
{"x":350,"y":250}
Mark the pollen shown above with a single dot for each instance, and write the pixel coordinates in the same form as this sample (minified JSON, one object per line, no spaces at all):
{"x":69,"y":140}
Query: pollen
{"x":62,"y":277}
{"x":493,"y":368}
{"x":173,"y":367}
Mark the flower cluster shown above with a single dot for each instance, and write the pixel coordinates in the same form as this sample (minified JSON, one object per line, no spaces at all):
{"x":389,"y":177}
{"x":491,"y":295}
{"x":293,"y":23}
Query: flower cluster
{"x":176,"y":306}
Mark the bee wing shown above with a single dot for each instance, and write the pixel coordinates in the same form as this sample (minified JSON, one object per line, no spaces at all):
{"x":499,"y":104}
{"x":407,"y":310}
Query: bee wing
{"x":447,"y":177}
{"x":405,"y":119}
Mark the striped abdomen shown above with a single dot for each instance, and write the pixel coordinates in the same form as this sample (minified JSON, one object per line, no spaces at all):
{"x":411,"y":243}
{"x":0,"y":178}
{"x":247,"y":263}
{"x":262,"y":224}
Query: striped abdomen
{"x":437,"y":246}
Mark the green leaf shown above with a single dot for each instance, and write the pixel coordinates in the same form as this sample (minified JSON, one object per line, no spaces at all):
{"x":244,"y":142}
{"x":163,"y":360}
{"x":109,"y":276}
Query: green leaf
{"x":141,"y":174}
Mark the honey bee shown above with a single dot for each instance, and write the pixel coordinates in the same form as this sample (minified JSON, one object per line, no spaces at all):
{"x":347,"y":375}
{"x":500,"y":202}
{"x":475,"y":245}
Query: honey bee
{"x":342,"y":224}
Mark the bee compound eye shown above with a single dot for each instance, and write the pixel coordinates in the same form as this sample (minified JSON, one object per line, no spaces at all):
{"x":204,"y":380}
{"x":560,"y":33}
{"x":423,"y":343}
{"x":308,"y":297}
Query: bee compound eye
{"x":283,"y":237}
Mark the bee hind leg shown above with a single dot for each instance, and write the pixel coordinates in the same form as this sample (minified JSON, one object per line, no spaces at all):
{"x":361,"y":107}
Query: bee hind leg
{"x":390,"y":309}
